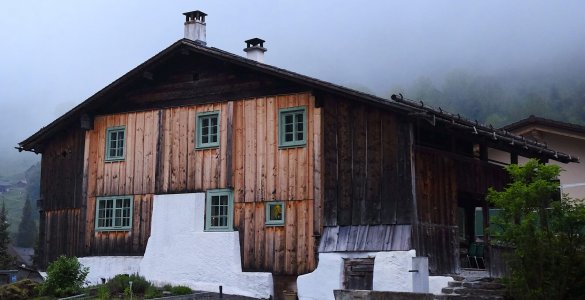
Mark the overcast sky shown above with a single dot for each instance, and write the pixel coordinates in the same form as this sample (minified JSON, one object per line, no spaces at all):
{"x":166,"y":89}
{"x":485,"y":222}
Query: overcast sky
{"x":55,"y":54}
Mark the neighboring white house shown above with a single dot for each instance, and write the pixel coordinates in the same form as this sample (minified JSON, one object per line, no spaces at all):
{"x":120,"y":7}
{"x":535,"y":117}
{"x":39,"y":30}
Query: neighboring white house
{"x":565,"y":137}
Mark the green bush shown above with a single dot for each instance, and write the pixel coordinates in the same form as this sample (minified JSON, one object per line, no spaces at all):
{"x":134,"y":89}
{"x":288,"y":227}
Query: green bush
{"x":65,"y":277}
{"x":152,"y":292}
{"x":181,"y":290}
{"x":120,"y":283}
{"x":102,"y":292}
{"x":548,"y":260}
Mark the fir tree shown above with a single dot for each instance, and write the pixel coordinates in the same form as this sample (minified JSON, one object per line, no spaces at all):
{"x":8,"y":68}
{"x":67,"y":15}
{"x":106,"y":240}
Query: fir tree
{"x":6,"y":260}
{"x":27,"y":229}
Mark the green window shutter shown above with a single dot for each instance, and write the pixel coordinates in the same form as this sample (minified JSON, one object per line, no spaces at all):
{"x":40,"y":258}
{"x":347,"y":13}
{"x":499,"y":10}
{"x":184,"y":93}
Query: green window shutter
{"x":207,"y":130}
{"x":113,"y":213}
{"x":292,"y":127}
{"x":115,"y":143}
{"x":219,"y":210}
{"x":275,"y":213}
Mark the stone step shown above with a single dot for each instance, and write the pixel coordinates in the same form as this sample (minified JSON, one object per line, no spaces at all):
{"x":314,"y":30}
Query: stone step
{"x":447,"y":290}
{"x":478,"y":292}
{"x":467,"y":297}
{"x":454,"y":283}
{"x":484,"y":285}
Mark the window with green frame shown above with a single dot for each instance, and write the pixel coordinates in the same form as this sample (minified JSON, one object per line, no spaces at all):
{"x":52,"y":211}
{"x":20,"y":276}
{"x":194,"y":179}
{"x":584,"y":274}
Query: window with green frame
{"x":219,"y":210}
{"x":207,"y":124}
{"x":292,"y":127}
{"x":275,"y":212}
{"x":113,"y":213}
{"x":115,"y":143}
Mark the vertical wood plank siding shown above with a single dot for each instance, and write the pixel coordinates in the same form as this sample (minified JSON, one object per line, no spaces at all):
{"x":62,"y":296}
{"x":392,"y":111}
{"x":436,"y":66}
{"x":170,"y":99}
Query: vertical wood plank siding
{"x":367,"y":165}
{"x":263,"y":172}
{"x":61,"y":195}
{"x":135,"y":175}
{"x":161,"y":158}
{"x":441,"y":179}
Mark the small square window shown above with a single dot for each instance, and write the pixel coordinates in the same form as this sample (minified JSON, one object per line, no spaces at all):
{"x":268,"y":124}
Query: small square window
{"x":219,"y":210}
{"x":275,"y":212}
{"x":207,"y":124}
{"x":115,"y":143}
{"x":113,"y":213}
{"x":292,"y":127}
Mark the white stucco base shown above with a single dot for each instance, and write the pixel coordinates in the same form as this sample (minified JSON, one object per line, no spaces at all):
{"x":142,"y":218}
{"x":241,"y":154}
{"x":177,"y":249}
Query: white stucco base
{"x":109,"y":266}
{"x":390,"y":274}
{"x":391,"y":271}
{"x":180,"y":252}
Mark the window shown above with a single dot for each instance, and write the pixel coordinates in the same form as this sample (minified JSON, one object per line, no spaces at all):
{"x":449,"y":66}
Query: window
{"x":292,"y":127}
{"x":115,"y":143}
{"x":275,"y":213}
{"x":219,"y":210}
{"x":113,"y":213}
{"x":207,"y":130}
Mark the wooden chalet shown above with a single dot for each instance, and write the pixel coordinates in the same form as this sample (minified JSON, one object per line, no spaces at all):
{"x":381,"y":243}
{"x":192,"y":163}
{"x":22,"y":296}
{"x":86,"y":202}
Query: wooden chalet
{"x":311,"y":167}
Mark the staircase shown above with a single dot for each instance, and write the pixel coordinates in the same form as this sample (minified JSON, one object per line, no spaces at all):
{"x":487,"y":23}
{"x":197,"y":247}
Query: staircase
{"x":472,"y":287}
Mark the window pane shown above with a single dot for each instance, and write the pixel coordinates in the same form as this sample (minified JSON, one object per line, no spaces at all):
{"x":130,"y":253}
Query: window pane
{"x":204,"y":122}
{"x":288,"y":128}
{"x":299,"y":136}
{"x":299,"y":117}
{"x":300,"y":126}
{"x":288,"y":137}
{"x":288,"y":119}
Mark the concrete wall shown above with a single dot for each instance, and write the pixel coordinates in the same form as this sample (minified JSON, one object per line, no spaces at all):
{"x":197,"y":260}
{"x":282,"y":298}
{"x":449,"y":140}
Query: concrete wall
{"x":109,"y":266}
{"x":390,"y":274}
{"x":179,"y":251}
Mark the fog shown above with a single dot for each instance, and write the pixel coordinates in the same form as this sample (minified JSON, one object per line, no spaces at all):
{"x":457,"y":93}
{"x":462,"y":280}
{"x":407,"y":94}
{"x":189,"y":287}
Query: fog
{"x":55,"y":54}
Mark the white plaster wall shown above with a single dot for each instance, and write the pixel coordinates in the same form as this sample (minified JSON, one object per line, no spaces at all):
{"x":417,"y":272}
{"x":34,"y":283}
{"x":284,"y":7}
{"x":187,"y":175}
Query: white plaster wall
{"x":328,"y":276}
{"x":390,"y":274}
{"x":109,"y":266}
{"x":391,"y":271}
{"x":180,"y":252}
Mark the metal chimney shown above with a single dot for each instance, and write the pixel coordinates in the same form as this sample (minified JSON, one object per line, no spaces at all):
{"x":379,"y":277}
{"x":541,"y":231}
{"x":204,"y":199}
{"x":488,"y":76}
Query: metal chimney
{"x":195,"y":26}
{"x":255,"y":49}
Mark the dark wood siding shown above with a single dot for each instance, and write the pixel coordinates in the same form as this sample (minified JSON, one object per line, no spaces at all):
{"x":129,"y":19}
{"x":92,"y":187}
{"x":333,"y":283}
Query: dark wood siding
{"x":443,"y":179}
{"x":367,"y":171}
{"x":61,"y":195}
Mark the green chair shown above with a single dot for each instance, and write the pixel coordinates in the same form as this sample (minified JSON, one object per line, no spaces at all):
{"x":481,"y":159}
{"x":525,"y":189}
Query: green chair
{"x":475,"y":254}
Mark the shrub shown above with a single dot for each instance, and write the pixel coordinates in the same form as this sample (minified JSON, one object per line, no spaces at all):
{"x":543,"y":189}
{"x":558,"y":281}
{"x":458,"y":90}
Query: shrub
{"x":103,"y":293}
{"x":152,"y":292}
{"x":65,"y":277}
{"x":120,"y":283}
{"x":545,"y":233}
{"x":181,"y":290}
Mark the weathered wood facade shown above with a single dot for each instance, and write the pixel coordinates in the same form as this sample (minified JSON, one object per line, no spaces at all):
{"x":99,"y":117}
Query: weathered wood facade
{"x":372,"y":176}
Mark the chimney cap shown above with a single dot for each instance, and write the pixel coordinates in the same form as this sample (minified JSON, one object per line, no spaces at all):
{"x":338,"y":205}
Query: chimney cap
{"x":255,"y":42}
{"x":195,"y":15}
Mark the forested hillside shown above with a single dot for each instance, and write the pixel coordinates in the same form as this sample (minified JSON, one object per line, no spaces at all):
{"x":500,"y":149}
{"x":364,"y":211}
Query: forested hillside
{"x":507,"y":97}
{"x":20,"y":197}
